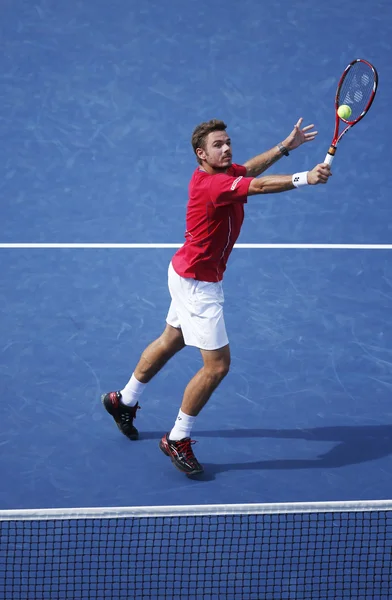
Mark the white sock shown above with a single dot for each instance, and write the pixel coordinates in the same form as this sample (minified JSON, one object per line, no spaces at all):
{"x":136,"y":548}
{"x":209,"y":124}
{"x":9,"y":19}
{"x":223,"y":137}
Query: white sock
{"x":132,"y":391}
{"x":182,"y":427}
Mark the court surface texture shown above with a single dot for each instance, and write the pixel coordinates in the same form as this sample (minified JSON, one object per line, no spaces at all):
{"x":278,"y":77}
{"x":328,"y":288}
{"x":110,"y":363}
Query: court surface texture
{"x":98,"y":102}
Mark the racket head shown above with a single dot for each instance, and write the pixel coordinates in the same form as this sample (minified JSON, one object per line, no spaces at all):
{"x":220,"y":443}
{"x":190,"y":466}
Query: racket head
{"x":356,"y":88}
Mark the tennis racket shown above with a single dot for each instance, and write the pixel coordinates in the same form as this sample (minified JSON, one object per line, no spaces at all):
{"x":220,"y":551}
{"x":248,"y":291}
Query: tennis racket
{"x":357,"y":88}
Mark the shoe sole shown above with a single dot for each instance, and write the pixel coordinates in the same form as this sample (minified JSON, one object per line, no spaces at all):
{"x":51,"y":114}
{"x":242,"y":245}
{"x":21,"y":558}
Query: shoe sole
{"x":133,"y":437}
{"x":189,"y":473}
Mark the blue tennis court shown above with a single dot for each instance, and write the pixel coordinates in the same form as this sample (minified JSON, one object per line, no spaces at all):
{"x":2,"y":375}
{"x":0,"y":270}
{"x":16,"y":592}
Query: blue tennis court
{"x":98,"y":101}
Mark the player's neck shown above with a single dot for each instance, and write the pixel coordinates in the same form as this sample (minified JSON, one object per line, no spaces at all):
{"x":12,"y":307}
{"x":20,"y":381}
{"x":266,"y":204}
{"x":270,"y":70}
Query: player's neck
{"x":211,"y":170}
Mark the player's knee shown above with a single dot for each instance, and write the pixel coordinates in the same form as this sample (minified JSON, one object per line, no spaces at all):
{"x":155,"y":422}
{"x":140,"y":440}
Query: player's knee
{"x":216,"y":364}
{"x":220,"y":370}
{"x":223,"y":370}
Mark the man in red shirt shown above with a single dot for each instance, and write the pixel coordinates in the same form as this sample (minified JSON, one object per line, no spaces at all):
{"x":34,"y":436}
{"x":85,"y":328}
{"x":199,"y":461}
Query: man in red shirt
{"x":218,"y":191}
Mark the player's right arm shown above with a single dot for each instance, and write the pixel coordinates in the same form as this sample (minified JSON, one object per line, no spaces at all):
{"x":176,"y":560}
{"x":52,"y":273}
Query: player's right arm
{"x":272,"y":184}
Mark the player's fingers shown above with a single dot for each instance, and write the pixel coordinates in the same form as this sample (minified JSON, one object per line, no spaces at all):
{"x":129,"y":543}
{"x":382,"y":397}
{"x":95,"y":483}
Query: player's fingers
{"x":308,"y":127}
{"x":323,"y":173}
{"x":298,"y":123}
{"x":311,"y":136}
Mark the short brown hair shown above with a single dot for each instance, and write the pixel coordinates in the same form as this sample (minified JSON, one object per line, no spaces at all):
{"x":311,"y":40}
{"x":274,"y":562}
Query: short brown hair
{"x":201,"y":132}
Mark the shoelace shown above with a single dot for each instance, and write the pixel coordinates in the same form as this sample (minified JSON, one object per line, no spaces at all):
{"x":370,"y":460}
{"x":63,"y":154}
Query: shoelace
{"x":185,"y":447}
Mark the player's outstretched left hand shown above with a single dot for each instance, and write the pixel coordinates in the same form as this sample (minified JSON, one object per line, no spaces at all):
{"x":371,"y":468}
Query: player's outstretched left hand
{"x":299,"y":136}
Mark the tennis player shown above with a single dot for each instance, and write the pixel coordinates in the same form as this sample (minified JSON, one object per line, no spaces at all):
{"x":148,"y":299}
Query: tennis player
{"x":218,"y":191}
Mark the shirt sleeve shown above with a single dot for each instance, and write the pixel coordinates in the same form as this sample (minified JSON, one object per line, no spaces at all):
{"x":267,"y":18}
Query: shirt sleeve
{"x":237,"y":170}
{"x":226,"y":188}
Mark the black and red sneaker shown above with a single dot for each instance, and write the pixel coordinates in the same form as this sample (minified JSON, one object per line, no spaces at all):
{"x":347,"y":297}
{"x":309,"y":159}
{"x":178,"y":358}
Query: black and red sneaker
{"x":122,"y":414}
{"x":181,"y":454}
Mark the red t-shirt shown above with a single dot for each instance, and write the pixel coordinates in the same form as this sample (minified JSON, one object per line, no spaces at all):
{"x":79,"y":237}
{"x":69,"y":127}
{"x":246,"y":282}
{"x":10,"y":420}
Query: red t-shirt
{"x":214,"y":217}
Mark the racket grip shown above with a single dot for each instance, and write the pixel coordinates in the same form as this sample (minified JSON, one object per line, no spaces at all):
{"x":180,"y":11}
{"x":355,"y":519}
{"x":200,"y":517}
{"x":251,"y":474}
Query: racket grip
{"x":330,"y":155}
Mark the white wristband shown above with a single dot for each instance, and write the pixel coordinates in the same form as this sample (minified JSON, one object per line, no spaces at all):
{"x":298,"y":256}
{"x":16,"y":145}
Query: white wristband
{"x":300,"y":179}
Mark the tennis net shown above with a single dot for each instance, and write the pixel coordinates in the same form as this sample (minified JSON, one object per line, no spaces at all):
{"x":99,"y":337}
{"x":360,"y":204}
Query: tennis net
{"x":212,"y":552}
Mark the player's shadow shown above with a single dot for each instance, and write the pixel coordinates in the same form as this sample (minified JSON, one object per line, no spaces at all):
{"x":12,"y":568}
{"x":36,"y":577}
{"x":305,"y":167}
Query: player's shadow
{"x":353,"y":444}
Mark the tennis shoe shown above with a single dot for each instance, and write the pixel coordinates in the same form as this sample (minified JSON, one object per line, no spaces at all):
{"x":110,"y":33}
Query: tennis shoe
{"x":181,"y":454}
{"x":122,"y":414}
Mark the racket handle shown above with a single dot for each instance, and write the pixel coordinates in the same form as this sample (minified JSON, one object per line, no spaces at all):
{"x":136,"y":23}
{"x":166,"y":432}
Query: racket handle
{"x":330,"y":155}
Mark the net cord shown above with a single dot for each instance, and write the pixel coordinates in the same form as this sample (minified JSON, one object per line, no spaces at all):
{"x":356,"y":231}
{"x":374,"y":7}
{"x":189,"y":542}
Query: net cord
{"x":122,"y":512}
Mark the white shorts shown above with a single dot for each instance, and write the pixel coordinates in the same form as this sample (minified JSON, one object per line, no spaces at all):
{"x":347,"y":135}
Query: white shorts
{"x":197,"y":309}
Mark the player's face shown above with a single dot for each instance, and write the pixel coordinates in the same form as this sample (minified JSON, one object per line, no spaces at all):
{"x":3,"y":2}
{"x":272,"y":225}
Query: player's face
{"x":217,"y":153}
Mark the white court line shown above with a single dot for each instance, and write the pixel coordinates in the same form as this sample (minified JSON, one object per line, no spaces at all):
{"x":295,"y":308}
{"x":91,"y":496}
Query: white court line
{"x":178,"y":245}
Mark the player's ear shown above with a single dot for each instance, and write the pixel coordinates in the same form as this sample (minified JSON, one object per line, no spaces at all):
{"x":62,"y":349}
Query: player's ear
{"x":200,"y":153}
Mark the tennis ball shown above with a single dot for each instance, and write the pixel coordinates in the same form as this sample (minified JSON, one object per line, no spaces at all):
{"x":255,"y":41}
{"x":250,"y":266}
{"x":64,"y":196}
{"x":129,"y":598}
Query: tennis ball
{"x":344,"y":111}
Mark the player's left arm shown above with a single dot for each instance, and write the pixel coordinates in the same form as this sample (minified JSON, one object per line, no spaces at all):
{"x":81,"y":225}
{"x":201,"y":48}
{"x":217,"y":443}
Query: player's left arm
{"x":257,"y":165}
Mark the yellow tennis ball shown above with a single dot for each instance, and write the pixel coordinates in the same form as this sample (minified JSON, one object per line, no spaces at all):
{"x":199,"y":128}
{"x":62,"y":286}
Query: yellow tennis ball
{"x":344,"y":111}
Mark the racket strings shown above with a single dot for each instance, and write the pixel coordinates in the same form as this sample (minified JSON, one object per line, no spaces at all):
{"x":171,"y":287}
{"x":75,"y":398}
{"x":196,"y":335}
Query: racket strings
{"x":357,"y":89}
